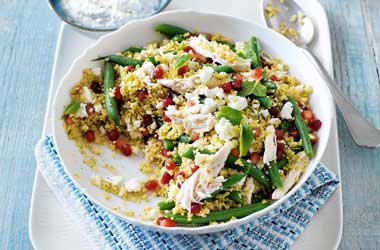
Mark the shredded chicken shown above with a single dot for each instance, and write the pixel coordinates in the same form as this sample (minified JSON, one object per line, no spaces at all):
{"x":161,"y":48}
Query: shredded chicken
{"x":179,"y":85}
{"x":270,"y":145}
{"x":199,"y":122}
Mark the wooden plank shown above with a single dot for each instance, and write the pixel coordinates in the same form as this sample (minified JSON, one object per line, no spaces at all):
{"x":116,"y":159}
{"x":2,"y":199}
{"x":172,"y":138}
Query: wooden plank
{"x":28,"y":31}
{"x":356,"y":72}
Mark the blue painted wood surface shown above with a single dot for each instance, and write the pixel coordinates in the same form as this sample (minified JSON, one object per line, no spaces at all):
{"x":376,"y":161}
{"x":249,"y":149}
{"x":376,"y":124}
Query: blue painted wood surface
{"x":28,"y":32}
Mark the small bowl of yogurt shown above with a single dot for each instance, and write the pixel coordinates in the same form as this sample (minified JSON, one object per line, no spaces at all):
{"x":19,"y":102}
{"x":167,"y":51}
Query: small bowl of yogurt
{"x":96,"y":15}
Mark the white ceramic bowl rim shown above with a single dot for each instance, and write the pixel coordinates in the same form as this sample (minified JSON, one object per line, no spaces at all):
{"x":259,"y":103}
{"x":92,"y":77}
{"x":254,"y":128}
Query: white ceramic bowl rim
{"x":208,"y":228}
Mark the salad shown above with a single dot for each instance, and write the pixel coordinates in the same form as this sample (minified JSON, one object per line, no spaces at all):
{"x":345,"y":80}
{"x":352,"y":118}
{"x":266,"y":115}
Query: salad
{"x":223,"y":128}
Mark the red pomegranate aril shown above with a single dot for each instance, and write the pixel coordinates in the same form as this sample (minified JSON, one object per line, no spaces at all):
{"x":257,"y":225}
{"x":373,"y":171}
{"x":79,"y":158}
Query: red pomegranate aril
{"x":160,"y":219}
{"x":90,"y":109}
{"x":165,"y":179}
{"x":146,"y":133}
{"x":256,"y":132}
{"x":273,"y":78}
{"x":167,"y":223}
{"x":147,"y":120}
{"x":235,"y":152}
{"x":315,"y":125}
{"x":69,"y":120}
{"x":126,"y":149}
{"x":194,"y":136}
{"x":120,"y":143}
{"x":165,"y":152}
{"x":293,"y":132}
{"x":279,"y":134}
{"x":170,"y":164}
{"x":117,"y":93}
{"x":237,"y":85}
{"x":152,"y":185}
{"x":227,"y":87}
{"x":113,"y":135}
{"x":313,"y":138}
{"x":307,"y":115}
{"x":167,"y":101}
{"x":280,"y":150}
{"x":195,"y":208}
{"x":89,"y":135}
{"x":167,"y":118}
{"x":193,"y":167}
{"x":257,"y":74}
{"x":158,"y":72}
{"x":238,"y":77}
{"x":130,"y":67}
{"x":255,"y":157}
{"x":142,"y":94}
{"x":183,"y":70}
{"x":274,"y":111}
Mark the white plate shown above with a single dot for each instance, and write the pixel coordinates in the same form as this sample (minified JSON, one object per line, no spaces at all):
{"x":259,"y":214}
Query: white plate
{"x":47,"y":219}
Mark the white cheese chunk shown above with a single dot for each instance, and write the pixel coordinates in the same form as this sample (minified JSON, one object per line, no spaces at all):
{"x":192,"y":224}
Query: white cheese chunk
{"x":237,"y":102}
{"x":286,"y":111}
{"x":226,"y":130}
{"x":270,"y":145}
{"x":133,"y":185}
{"x":205,"y":74}
{"x":115,"y":180}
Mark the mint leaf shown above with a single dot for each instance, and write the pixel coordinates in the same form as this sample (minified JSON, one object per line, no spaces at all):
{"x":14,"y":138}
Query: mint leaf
{"x":72,"y":108}
{"x":182,"y":60}
{"x":246,"y":88}
{"x":233,"y":115}
{"x":260,"y":90}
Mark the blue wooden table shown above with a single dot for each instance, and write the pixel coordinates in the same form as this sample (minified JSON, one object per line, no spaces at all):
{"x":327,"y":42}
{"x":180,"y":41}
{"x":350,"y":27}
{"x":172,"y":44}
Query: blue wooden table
{"x":28,"y":33}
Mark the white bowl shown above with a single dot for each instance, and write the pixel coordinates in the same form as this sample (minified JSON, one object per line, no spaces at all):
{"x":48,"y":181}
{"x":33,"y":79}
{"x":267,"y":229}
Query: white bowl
{"x":139,"y":33}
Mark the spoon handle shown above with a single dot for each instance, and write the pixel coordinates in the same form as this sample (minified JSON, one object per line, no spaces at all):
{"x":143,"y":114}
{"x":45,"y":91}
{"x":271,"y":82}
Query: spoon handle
{"x":362,"y":131}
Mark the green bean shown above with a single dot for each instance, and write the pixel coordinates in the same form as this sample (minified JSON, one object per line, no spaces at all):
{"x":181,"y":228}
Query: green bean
{"x":133,"y":50}
{"x":232,"y":180}
{"x":169,"y":30}
{"x":254,"y":52}
{"x":184,"y":138}
{"x":109,"y":84}
{"x":206,"y":152}
{"x":281,"y":163}
{"x":166,"y":205}
{"x":168,"y":144}
{"x":258,"y":197}
{"x":302,"y":129}
{"x":72,"y":108}
{"x":218,"y":216}
{"x":178,"y":38}
{"x":124,"y":61}
{"x":224,"y":68}
{"x":152,"y":60}
{"x":274,"y":175}
{"x":189,"y":153}
{"x":265,"y":101}
{"x":235,"y":196}
{"x":177,"y":159}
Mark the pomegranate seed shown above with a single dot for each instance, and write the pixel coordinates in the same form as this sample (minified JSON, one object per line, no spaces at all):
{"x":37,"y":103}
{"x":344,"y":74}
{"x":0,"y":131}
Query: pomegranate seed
{"x":274,"y":111}
{"x":165,"y":179}
{"x":158,"y":72}
{"x":307,"y":115}
{"x":146,"y":133}
{"x":257,"y":74}
{"x":170,"y":164}
{"x":313,"y":138}
{"x":227,"y":87}
{"x":152,"y":185}
{"x":256,"y":132}
{"x":193,"y":167}
{"x":195,"y":208}
{"x":315,"y":125}
{"x":126,"y":149}
{"x":183,"y":70}
{"x":255,"y":157}
{"x":147,"y":120}
{"x":167,"y":101}
{"x":273,"y":78}
{"x":235,"y":152}
{"x":167,"y":223}
{"x":160,"y":219}
{"x":279,"y":134}
{"x":141,"y":94}
{"x":117,"y":93}
{"x":89,"y":135}
{"x":69,"y":120}
{"x":237,"y":85}
{"x":113,"y":135}
{"x":195,"y":136}
{"x":280,"y":150}
{"x":90,"y":109}
{"x":120,"y":143}
{"x":167,"y":118}
{"x":238,"y":77}
{"x":293,"y":132}
{"x":130,"y":67}
{"x":165,"y":152}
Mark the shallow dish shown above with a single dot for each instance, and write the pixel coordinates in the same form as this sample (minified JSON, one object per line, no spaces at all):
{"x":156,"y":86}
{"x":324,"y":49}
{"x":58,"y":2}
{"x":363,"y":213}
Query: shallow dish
{"x":143,"y":32}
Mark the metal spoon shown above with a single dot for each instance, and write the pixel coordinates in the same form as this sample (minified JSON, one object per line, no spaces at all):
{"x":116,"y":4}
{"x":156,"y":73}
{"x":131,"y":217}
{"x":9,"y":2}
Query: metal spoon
{"x":301,"y":32}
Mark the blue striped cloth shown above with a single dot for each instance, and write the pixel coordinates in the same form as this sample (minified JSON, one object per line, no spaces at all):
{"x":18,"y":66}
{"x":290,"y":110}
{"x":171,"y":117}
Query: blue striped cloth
{"x":276,"y":230}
